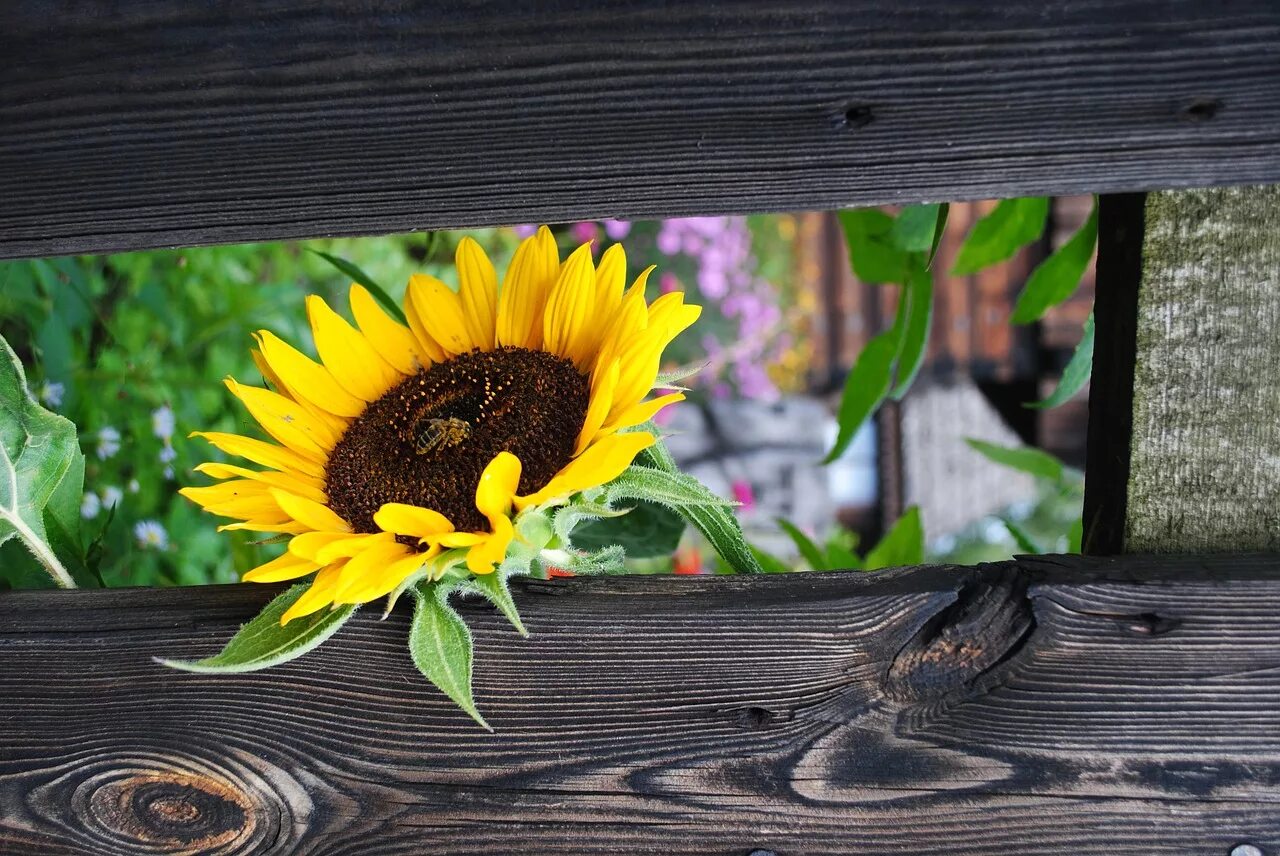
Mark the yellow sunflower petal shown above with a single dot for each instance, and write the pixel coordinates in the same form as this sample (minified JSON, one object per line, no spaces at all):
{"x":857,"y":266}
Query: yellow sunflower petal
{"x":293,"y":527}
{"x":413,"y":314}
{"x":411,"y":520}
{"x":318,"y":596}
{"x":601,"y":463}
{"x":347,"y":354}
{"x":459,"y":539}
{"x":227,"y":491}
{"x":532,"y":272}
{"x":611,"y":279}
{"x":302,"y":485}
{"x":288,"y":422}
{"x":486,"y":555}
{"x":303,"y":377}
{"x":309,"y":544}
{"x":313,"y":515}
{"x":353,"y":546}
{"x":497,"y":486}
{"x":642,"y":412}
{"x":440,"y":312}
{"x":631,"y":318}
{"x":478,"y":289}
{"x":269,"y":375}
{"x":366,"y":572}
{"x":284,"y":567}
{"x":382,"y":579}
{"x":393,"y":341}
{"x":639,"y":361}
{"x":567,"y":324}
{"x":262,"y":453}
{"x":601,"y":402}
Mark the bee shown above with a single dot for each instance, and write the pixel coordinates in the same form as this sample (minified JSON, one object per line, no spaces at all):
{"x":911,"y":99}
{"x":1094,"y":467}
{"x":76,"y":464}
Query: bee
{"x":432,"y":435}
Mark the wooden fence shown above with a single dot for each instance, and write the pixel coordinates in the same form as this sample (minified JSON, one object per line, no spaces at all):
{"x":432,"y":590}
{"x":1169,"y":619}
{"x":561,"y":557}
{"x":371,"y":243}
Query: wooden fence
{"x":1117,"y":703}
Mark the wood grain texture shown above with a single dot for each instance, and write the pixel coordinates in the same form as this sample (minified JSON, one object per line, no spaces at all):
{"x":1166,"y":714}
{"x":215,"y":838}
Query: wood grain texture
{"x":1204,"y":459}
{"x":135,"y":124}
{"x":1053,"y":706}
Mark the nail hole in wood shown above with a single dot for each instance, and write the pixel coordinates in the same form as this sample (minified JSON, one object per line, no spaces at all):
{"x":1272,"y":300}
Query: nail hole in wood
{"x":1201,"y":109}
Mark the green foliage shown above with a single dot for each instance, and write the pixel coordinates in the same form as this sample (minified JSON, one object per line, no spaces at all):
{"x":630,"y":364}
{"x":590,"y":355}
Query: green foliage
{"x":138,"y":343}
{"x":1077,"y":372}
{"x":358,"y":275}
{"x":998,"y":236}
{"x":1025,"y":459}
{"x":708,"y":513}
{"x":41,"y":476}
{"x":866,"y":387}
{"x":902,"y":545}
{"x":1056,"y":278}
{"x":441,"y":647}
{"x":645,"y":531}
{"x":1026,"y":543}
{"x":263,"y":642}
{"x":873,"y":252}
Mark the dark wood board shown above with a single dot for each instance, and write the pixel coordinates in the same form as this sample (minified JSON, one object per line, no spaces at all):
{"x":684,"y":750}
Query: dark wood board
{"x":130,"y":124}
{"x":1050,"y":706}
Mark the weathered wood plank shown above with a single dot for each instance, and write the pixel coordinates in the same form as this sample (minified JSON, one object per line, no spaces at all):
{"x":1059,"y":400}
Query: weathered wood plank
{"x":1204,"y":456}
{"x":132,"y":124}
{"x":1054,"y":706}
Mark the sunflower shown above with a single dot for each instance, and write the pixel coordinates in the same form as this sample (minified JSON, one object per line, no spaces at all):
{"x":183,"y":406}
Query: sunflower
{"x":405,"y":451}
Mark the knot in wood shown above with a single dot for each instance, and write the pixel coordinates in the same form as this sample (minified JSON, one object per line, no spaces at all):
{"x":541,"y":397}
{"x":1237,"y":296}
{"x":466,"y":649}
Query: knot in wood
{"x":983,"y":628}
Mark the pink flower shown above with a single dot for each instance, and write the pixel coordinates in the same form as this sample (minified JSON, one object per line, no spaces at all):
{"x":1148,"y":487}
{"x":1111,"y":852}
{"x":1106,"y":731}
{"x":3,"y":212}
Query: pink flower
{"x":617,"y":229}
{"x":525,"y":230}
{"x":744,"y":494}
{"x":584,"y":232}
{"x":668,"y":282}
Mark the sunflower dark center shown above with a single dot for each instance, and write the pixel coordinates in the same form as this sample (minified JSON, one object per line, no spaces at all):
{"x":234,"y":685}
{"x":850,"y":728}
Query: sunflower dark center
{"x":428,"y":439}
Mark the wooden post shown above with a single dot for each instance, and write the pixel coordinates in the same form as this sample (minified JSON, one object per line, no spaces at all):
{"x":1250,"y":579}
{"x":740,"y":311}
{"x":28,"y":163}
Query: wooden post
{"x":1186,"y":455}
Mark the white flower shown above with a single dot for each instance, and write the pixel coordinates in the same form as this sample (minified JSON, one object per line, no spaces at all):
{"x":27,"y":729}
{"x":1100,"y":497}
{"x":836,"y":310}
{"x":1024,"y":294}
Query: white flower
{"x":133,"y":487}
{"x":151,"y":535}
{"x":90,"y":506}
{"x":168,"y":473}
{"x":108,"y":442}
{"x":162,"y":422}
{"x":51,"y":393}
{"x":167,"y":454}
{"x":111,"y":496}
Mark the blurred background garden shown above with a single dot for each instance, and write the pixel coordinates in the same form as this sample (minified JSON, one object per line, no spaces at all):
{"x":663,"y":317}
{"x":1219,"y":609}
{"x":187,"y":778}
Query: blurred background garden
{"x":952,"y":466}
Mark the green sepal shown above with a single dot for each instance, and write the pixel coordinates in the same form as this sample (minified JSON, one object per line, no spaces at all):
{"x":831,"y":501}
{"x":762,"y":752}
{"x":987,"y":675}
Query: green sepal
{"x":494,"y":588}
{"x":577,"y":512}
{"x":665,"y":380}
{"x":608,"y":560}
{"x":441,"y":646}
{"x":263,"y":642}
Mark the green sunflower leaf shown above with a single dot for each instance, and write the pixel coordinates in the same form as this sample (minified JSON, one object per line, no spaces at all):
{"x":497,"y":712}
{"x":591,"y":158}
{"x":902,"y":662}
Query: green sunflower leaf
{"x":357,"y":274}
{"x":672,"y":489}
{"x":263,"y":642}
{"x":714,"y":517}
{"x":1013,"y":224}
{"x":644,"y":531}
{"x":495,"y":589}
{"x":902,"y":545}
{"x":41,"y":476}
{"x":441,"y":647}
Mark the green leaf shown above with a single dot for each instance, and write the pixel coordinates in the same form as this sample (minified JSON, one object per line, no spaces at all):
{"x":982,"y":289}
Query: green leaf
{"x":1026,"y":459}
{"x":575,"y":514}
{"x":1057,"y":277}
{"x":495,"y":589}
{"x":358,"y":275}
{"x":872,"y":253}
{"x":608,"y":560}
{"x":441,"y":647}
{"x":714,"y":518}
{"x":916,"y":227}
{"x":1012,"y":225}
{"x":915,"y":336}
{"x":647,"y":530}
{"x":809,"y":551}
{"x":1077,"y":372}
{"x":864,"y":389}
{"x":939,"y":230}
{"x":841,"y":558}
{"x":665,"y":379}
{"x":263,"y":642}
{"x":1022,"y":537}
{"x":902,"y":545}
{"x":1075,"y":535}
{"x":769,"y":563}
{"x":675,"y":490}
{"x":41,"y":475}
